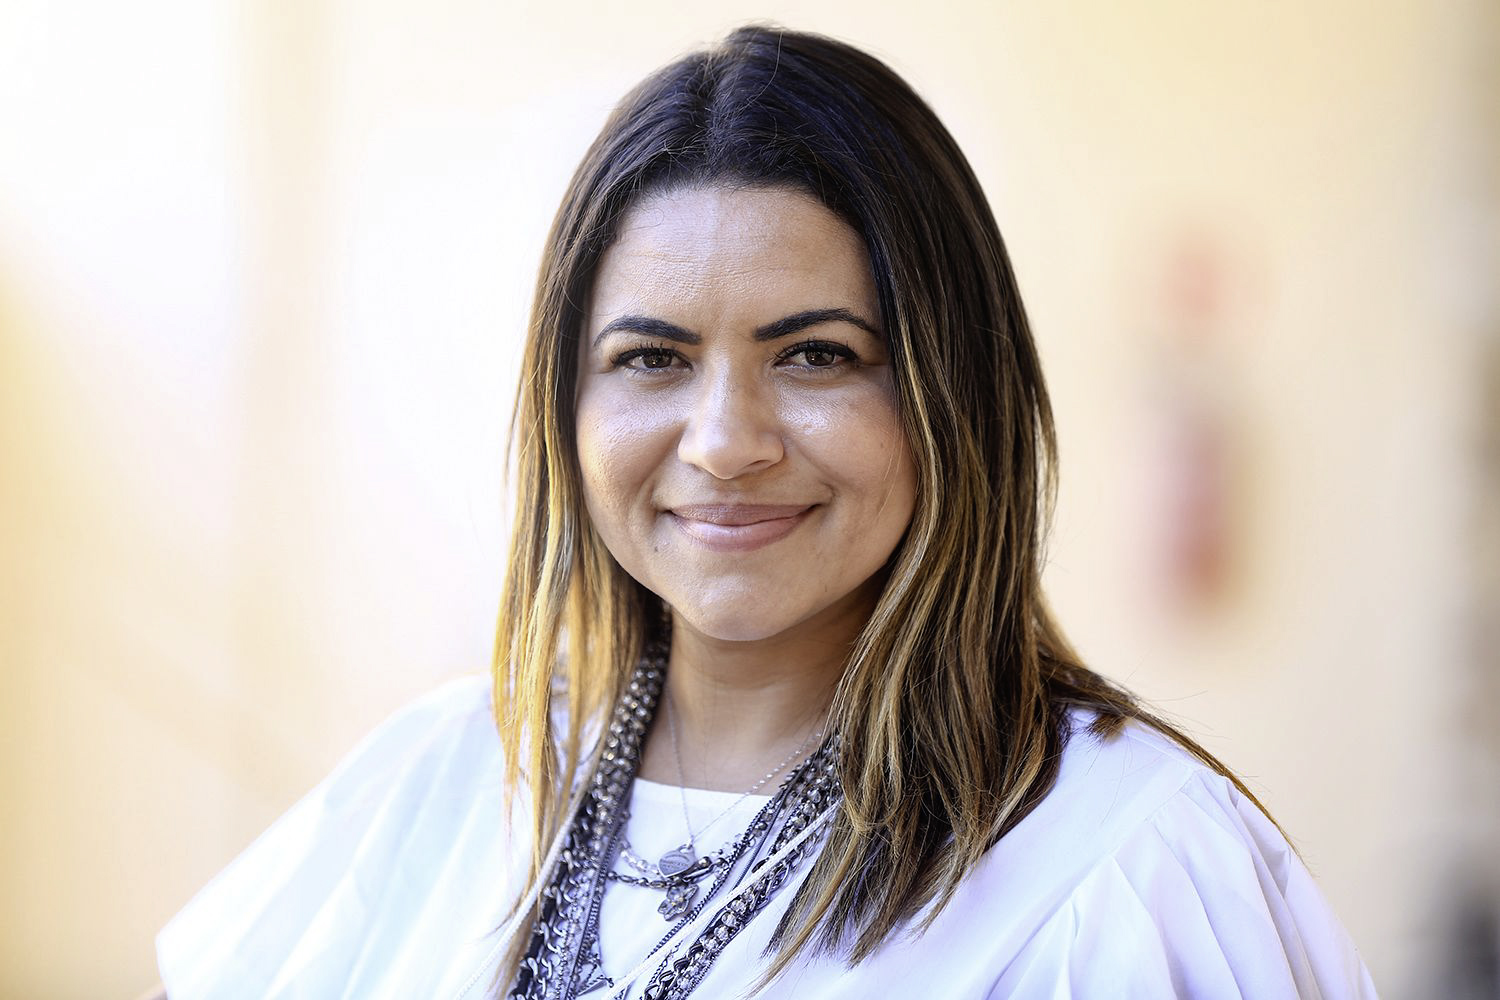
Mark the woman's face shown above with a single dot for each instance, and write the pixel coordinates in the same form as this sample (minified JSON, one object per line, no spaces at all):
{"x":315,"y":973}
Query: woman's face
{"x":738,"y":433}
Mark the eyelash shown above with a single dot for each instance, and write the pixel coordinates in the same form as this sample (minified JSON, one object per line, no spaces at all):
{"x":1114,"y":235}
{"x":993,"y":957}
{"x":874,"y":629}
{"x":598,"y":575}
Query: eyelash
{"x":623,"y":359}
{"x":838,"y":351}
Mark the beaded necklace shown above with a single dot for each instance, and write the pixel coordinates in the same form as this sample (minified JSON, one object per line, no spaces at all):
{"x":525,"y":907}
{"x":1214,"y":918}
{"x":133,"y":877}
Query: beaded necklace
{"x":563,"y":961}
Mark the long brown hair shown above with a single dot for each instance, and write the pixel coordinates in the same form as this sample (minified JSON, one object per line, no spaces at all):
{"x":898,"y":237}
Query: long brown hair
{"x":952,"y":708}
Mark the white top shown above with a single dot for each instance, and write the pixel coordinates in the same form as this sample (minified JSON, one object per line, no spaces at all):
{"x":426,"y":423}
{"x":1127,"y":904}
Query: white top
{"x":1141,"y":874}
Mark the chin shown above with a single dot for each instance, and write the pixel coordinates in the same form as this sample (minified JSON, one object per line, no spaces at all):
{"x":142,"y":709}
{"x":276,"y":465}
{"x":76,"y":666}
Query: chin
{"x":732,"y":620}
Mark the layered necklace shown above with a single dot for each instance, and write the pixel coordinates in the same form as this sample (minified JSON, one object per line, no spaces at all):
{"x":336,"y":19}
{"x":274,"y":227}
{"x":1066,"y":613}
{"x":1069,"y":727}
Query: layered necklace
{"x":563,"y":960}
{"x":680,"y":870}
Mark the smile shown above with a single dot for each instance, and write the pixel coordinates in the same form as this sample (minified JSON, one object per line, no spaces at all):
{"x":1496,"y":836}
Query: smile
{"x":738,"y":528}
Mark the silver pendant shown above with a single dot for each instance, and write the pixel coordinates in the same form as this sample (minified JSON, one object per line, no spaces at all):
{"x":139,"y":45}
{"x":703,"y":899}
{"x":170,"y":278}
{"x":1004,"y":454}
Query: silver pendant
{"x":679,"y":899}
{"x":677,"y":860}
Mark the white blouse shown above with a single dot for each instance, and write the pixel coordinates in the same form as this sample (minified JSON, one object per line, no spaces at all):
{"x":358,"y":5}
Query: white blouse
{"x":1141,"y":874}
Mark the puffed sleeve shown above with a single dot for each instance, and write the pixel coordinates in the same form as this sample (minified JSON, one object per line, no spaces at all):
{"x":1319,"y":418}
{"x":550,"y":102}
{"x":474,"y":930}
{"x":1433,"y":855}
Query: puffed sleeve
{"x":334,"y":894}
{"x":1204,"y":900}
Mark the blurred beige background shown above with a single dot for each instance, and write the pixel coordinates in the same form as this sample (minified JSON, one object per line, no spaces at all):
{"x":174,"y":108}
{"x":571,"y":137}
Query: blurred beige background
{"x":263,"y":272}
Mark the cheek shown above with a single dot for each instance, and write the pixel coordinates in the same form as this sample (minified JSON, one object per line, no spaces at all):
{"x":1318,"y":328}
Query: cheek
{"x":893,"y":478}
{"x":618,"y":453}
{"x":860,"y":442}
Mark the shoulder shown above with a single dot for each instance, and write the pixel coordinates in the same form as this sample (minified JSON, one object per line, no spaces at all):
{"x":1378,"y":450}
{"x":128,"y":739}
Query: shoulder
{"x":454,"y":719}
{"x":1139,"y":767}
{"x":390,"y":834}
{"x":1142,"y":874}
{"x":1111,"y":788}
{"x":1159,"y":877}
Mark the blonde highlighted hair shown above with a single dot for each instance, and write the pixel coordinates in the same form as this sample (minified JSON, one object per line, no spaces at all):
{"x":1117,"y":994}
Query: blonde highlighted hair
{"x":952,"y":708}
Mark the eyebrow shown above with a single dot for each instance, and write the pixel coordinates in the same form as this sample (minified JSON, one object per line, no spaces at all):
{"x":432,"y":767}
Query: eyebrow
{"x":784,"y":327}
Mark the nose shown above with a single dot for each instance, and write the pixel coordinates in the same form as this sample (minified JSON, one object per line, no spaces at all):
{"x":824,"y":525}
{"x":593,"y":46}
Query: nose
{"x":732,"y":428}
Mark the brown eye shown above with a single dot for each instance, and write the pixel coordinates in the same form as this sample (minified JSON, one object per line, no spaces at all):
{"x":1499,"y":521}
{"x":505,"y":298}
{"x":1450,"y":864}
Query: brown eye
{"x":817,"y":354}
{"x":646,"y":359}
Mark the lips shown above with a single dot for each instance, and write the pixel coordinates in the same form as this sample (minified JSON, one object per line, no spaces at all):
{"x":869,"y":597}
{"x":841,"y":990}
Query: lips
{"x":738,"y":527}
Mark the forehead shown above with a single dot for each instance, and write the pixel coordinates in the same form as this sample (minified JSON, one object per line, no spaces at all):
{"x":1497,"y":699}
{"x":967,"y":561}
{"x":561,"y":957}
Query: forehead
{"x":717,"y":244}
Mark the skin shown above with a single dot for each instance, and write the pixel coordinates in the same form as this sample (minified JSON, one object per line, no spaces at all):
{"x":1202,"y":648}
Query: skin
{"x":743,"y":457}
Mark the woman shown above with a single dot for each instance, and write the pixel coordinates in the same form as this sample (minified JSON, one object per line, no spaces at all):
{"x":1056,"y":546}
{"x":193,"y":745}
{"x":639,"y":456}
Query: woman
{"x":779,"y":702}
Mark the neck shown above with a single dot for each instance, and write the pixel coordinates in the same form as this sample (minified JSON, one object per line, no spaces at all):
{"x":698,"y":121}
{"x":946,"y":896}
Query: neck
{"x":742,"y":706}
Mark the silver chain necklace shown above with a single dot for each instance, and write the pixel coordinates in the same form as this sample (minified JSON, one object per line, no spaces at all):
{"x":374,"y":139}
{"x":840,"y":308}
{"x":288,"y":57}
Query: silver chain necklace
{"x":563,"y":961}
{"x":682,"y":857}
